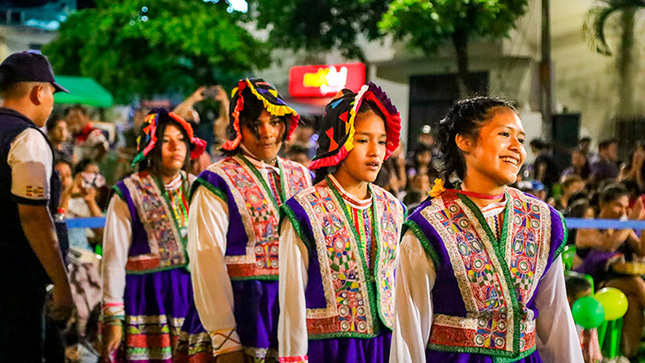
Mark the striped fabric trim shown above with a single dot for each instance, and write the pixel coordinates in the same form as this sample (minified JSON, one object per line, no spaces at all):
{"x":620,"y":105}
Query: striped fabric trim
{"x":295,"y":359}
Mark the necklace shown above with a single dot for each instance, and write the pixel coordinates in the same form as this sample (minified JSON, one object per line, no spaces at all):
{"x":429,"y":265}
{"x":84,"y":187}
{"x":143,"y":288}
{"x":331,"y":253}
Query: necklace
{"x":477,"y":195}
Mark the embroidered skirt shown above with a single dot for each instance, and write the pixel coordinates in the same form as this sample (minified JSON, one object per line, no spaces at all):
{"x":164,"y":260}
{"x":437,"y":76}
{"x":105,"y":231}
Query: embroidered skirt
{"x":155,"y":307}
{"x":256,"y":315}
{"x":436,"y":356}
{"x":372,"y":350}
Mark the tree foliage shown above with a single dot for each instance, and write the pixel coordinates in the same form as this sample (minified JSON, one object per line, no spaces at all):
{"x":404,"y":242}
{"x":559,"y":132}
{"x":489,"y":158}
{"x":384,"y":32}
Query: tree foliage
{"x":320,"y":25}
{"x":427,"y":24}
{"x":142,"y":47}
{"x":597,"y":17}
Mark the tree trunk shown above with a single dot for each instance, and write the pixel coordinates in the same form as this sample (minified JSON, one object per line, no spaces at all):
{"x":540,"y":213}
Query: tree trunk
{"x":460,"y":42}
{"x":625,"y":65}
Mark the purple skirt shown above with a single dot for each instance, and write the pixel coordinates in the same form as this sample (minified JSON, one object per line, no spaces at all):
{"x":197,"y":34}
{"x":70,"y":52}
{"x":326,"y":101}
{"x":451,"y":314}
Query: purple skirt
{"x":155,"y":307}
{"x":256,"y":311}
{"x":436,"y":356}
{"x":356,"y":350}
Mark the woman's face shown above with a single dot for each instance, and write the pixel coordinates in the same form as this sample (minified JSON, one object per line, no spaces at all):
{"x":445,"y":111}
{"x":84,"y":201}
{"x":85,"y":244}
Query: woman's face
{"x":574,"y":188}
{"x":578,"y":160}
{"x":424,"y":157}
{"x":498,"y":153}
{"x":270,"y":129}
{"x":364,"y":161}
{"x":60,"y":132}
{"x":65,"y":174}
{"x":616,"y":208}
{"x":173,"y":149}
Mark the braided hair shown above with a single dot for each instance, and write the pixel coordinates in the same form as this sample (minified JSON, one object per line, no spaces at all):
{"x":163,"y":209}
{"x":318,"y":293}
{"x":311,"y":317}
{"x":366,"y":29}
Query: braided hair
{"x":465,"y":117}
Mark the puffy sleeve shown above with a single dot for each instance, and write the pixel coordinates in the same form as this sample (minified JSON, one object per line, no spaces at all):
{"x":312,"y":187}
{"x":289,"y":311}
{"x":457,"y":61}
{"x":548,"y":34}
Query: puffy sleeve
{"x":557,"y":336}
{"x":117,"y":238}
{"x":292,"y":324}
{"x":30,"y":159}
{"x":213,"y":292}
{"x":415,"y":277}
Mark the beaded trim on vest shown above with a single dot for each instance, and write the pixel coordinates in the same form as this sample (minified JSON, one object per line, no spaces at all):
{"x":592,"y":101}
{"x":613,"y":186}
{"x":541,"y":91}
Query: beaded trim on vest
{"x":167,"y":246}
{"x":352,"y":306}
{"x":259,"y":210}
{"x":497,"y":279}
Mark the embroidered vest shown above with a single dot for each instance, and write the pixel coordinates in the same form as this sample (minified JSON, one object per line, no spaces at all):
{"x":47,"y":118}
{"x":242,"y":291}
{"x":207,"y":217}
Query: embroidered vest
{"x":157,"y":241}
{"x":484,"y":288}
{"x":344,"y":298}
{"x":252,"y":237}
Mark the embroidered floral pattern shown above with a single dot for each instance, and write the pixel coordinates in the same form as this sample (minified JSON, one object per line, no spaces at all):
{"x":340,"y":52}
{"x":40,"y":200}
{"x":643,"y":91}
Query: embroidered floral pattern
{"x":165,"y":241}
{"x":258,"y":208}
{"x":494,"y":293}
{"x":348,"y":286}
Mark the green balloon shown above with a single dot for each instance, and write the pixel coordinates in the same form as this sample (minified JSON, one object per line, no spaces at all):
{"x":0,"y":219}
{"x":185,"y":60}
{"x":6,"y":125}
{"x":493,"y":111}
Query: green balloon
{"x":614,"y":302}
{"x":588,"y":312}
{"x":567,"y":256}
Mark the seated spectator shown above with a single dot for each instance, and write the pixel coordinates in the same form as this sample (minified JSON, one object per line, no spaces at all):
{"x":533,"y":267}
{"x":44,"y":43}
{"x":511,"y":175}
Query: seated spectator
{"x":579,"y":165}
{"x":544,"y":167}
{"x":603,"y":248}
{"x":58,"y":135}
{"x":417,"y":192}
{"x":422,"y":162}
{"x":79,"y":200}
{"x":305,"y":135}
{"x":607,"y":165}
{"x":89,"y":142}
{"x":571,"y":185}
{"x":577,"y":287}
{"x":299,"y":154}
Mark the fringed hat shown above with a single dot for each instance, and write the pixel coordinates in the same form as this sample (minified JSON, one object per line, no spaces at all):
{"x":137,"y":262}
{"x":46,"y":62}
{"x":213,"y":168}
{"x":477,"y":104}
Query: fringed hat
{"x":271,"y":100}
{"x":148,"y":139}
{"x":336,"y":134}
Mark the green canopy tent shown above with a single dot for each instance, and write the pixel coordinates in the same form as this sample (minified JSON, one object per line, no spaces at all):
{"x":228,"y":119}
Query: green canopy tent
{"x":83,"y":90}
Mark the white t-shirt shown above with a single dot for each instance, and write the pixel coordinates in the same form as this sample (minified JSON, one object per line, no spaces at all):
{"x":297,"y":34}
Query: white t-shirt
{"x":30,"y":160}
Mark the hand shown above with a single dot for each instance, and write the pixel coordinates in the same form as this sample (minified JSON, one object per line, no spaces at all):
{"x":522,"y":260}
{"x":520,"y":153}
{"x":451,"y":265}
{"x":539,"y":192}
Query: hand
{"x":232,"y":357}
{"x":62,"y":304}
{"x":197,"y":96}
{"x":111,"y":336}
{"x":221,"y":95}
{"x":639,"y":158}
{"x":89,"y":195}
{"x":638,"y":211}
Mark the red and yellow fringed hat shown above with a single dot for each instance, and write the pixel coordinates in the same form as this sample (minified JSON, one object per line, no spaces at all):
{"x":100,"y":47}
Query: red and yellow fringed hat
{"x":271,"y":100}
{"x":336,"y":135}
{"x":148,"y":138}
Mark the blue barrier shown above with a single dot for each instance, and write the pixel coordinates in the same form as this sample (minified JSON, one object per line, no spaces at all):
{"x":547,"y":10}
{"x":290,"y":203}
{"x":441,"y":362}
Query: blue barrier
{"x":572,"y":223}
{"x":605,"y":223}
{"x":92,"y":222}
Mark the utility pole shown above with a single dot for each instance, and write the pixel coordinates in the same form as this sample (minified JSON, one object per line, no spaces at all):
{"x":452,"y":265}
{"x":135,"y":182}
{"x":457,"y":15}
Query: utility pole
{"x":546,"y":86}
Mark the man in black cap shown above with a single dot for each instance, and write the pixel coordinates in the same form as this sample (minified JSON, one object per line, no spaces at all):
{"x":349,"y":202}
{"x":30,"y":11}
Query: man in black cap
{"x":29,"y":194}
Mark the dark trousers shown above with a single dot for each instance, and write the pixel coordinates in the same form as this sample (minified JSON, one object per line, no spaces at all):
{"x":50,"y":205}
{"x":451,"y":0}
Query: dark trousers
{"x":21,"y":322}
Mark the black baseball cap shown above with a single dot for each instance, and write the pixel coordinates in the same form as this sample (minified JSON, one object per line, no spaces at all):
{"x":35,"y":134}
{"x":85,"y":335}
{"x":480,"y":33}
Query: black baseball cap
{"x":28,"y":66}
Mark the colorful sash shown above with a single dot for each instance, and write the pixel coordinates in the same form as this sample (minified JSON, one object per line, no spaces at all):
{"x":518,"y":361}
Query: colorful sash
{"x":158,"y":242}
{"x":485,"y":287}
{"x":252,"y":238}
{"x":345,"y":298}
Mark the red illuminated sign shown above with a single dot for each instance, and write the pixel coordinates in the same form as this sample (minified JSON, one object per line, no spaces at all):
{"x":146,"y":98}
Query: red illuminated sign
{"x":325,"y":80}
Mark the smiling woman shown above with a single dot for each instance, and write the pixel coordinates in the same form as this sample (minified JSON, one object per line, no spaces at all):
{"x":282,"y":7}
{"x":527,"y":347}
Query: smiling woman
{"x":483,"y":255}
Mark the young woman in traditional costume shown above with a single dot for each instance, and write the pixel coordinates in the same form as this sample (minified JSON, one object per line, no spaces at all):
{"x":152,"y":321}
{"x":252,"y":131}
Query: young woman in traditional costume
{"x":233,"y":231}
{"x":339,"y":239}
{"x":479,"y":276}
{"x":146,"y":287}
